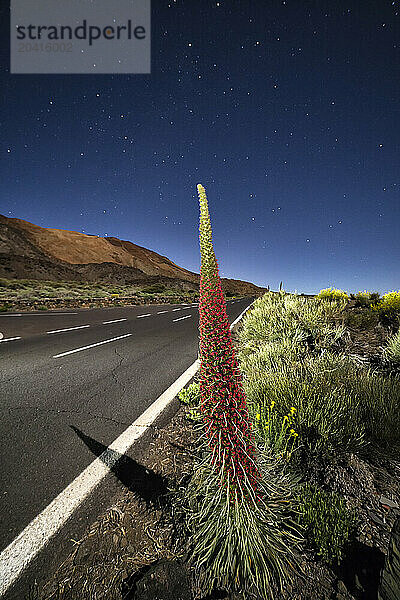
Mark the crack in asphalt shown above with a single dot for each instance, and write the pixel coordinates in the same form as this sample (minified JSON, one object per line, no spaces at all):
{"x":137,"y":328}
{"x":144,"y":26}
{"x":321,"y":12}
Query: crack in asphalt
{"x":85,"y":413}
{"x":71,"y":412}
{"x":113,"y":372}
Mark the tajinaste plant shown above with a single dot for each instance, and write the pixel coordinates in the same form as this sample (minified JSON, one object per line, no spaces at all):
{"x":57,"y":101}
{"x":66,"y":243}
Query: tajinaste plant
{"x":241,"y":536}
{"x":222,"y":399}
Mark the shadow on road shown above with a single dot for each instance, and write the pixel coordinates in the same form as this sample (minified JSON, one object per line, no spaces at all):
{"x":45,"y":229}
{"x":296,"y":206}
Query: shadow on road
{"x":150,"y":486}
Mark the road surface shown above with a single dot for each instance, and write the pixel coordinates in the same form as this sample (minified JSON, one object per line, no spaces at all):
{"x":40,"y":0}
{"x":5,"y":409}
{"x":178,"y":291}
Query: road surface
{"x":92,"y":370}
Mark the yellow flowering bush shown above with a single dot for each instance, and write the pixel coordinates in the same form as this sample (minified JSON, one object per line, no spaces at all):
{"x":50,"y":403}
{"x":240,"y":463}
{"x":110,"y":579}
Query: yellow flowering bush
{"x":367,"y":299}
{"x":332,"y":294}
{"x":389,"y":306}
{"x":277,"y":431}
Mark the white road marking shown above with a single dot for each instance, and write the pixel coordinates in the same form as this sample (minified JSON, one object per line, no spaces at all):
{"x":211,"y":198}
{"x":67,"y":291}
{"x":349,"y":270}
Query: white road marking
{"x":115,"y":321}
{"x":1,"y":336}
{"x":17,"y":556}
{"x":68,"y":329}
{"x":241,"y":315}
{"x":120,"y":337}
{"x":181,"y":318}
{"x":175,"y":309}
{"x":147,"y":315}
{"x":161,"y":312}
{"x":6,"y":315}
{"x":10,"y":339}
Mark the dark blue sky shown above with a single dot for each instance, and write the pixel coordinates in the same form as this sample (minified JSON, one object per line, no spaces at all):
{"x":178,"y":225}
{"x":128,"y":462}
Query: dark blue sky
{"x":286,"y":111}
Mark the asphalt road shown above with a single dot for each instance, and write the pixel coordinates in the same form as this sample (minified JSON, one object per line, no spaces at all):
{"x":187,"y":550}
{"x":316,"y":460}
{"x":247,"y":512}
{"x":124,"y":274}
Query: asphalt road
{"x":92,"y":370}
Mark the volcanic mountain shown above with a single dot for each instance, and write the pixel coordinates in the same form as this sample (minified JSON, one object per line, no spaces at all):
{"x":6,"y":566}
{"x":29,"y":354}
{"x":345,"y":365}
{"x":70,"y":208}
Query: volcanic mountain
{"x":28,"y":251}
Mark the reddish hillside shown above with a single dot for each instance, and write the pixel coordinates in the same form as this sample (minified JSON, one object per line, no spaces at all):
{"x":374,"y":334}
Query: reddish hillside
{"x":30,"y":251}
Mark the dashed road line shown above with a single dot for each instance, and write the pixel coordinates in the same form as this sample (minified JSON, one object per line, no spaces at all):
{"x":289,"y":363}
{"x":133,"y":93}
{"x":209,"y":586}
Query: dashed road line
{"x":181,"y":318}
{"x":120,"y":337}
{"x":115,"y":321}
{"x":10,"y":339}
{"x":175,"y":309}
{"x":68,"y":329}
{"x":161,"y":312}
{"x":141,"y":316}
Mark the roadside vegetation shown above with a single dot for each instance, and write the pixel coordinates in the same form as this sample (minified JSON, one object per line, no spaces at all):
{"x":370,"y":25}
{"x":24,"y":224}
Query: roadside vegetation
{"x":13,"y":291}
{"x":318,"y":408}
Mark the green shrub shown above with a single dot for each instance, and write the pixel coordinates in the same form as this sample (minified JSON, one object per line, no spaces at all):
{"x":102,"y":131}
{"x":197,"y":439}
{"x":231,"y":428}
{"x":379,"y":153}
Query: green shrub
{"x":379,"y":408}
{"x":278,"y":432}
{"x":366,"y":298}
{"x":317,"y":393}
{"x":191,"y":397}
{"x":303,"y":321}
{"x":392,"y":350}
{"x":333,"y":294}
{"x":338,"y":407}
{"x":329,"y":525}
{"x":16,"y":285}
{"x":361,"y":318}
{"x":156,"y":288}
{"x":388,"y":307}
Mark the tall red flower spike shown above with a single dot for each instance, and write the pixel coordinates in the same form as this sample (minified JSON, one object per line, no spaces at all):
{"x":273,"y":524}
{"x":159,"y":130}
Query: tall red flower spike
{"x":223,"y":403}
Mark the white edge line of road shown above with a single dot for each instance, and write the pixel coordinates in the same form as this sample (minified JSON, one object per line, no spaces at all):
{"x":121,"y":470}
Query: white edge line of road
{"x":16,"y":557}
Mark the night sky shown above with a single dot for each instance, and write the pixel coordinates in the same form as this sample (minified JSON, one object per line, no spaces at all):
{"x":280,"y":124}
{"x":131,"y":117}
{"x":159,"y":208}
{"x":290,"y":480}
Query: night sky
{"x":286,"y":111}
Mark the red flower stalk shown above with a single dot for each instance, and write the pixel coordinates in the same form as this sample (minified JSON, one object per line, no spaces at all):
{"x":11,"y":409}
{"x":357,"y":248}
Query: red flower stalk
{"x":223,"y":403}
